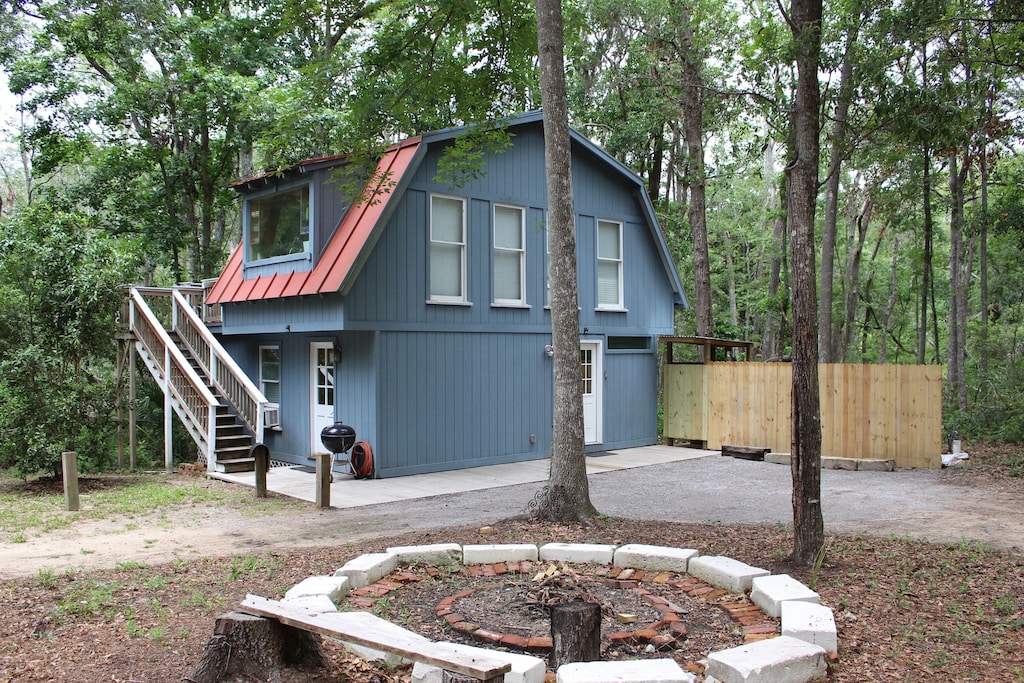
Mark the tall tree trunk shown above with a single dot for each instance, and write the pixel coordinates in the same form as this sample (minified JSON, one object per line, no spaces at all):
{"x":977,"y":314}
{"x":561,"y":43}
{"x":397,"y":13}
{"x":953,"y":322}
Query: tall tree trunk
{"x":851,"y":277}
{"x":926,"y":266}
{"x":802,"y":171}
{"x":827,"y":349}
{"x":773,"y":340}
{"x":893,"y":296}
{"x":568,"y":492}
{"x":983,"y":257}
{"x":956,"y":347}
{"x":693,"y":132}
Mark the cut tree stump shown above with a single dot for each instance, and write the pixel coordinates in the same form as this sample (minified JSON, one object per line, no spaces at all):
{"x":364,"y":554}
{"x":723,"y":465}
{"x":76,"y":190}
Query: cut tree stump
{"x":575,"y":632}
{"x":244,"y":647}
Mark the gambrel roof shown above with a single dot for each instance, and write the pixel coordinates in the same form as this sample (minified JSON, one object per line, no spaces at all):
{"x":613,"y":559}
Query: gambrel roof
{"x":348,"y":247}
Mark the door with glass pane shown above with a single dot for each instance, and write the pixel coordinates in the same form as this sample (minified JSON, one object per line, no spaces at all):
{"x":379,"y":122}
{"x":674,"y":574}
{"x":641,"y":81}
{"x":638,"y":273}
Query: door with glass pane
{"x":322,"y":359}
{"x":592,"y":378}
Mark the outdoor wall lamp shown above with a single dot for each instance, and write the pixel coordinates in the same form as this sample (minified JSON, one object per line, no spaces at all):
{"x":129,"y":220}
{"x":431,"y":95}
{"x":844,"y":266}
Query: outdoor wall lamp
{"x":549,"y":350}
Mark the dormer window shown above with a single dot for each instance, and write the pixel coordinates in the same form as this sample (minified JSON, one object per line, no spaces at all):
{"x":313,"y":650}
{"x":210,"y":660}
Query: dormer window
{"x":278,"y":224}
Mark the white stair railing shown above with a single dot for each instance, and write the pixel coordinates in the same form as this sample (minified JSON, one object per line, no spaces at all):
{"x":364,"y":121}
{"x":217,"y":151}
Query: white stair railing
{"x":185,"y":390}
{"x":223,"y":372}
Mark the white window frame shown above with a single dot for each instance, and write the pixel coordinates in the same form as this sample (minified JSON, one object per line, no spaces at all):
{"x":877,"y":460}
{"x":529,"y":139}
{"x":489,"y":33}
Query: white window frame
{"x":519,"y":301}
{"x":263,"y":380}
{"x":619,"y":305}
{"x":445,"y":298}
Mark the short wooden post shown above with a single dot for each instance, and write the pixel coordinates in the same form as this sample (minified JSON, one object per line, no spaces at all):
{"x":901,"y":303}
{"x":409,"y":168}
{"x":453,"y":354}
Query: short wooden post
{"x":575,"y":632}
{"x":324,"y":461}
{"x":69,"y":462}
{"x":261,"y":460}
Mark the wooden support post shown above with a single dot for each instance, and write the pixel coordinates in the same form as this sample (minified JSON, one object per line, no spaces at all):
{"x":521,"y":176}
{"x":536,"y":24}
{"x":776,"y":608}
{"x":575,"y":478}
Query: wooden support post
{"x":133,"y":436}
{"x":261,"y":458}
{"x":324,"y":461}
{"x":69,"y":461}
{"x":575,"y":632}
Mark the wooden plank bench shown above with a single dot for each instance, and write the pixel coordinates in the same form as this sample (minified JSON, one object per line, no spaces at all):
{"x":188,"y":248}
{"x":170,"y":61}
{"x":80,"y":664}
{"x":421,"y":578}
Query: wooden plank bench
{"x":358,"y":628}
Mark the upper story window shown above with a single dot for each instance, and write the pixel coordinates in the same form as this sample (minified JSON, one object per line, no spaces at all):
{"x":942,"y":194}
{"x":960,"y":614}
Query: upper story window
{"x":278,"y":224}
{"x":447,"y":249}
{"x":509,"y":255}
{"x":609,"y":265}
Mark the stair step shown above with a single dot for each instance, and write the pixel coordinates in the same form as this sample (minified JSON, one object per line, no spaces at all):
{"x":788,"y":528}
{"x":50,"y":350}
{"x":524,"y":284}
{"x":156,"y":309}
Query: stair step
{"x":236,"y":465}
{"x":234,"y":444}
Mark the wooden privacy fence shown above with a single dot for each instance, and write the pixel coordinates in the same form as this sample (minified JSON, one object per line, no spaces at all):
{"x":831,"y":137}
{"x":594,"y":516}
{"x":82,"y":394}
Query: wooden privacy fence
{"x":867,"y":411}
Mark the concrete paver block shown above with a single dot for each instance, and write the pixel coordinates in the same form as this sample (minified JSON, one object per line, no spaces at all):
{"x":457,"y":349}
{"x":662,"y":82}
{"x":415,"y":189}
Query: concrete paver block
{"x":438,"y":553}
{"x":525,"y":669}
{"x":334,"y":587}
{"x":635,"y":671}
{"x":811,"y":623}
{"x":775,"y":660}
{"x":314,"y":604}
{"x":366,"y":569}
{"x":592,"y":553}
{"x":777,"y":458}
{"x":654,"y":557}
{"x":832,"y":463}
{"x":876,"y":465}
{"x":725,"y":572}
{"x":769,"y":592}
{"x":491,"y":554}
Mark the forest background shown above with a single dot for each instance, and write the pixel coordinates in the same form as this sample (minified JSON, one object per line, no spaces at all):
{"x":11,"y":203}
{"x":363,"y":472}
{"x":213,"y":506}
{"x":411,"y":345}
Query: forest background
{"x":134,"y":116}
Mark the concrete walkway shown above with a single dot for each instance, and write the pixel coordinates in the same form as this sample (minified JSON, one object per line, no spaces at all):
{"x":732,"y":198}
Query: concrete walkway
{"x":347,"y":492}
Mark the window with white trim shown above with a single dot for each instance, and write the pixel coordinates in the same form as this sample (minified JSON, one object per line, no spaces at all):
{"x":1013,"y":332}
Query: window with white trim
{"x":609,"y":265}
{"x":447,"y":249}
{"x":509,"y":255}
{"x":278,"y":224}
{"x":270,"y":374}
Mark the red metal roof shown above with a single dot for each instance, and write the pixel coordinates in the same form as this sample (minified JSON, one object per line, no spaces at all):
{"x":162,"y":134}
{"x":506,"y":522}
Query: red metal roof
{"x":343,"y":250}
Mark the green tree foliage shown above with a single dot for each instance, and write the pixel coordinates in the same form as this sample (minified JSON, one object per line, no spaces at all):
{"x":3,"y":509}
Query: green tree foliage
{"x":58,"y":305}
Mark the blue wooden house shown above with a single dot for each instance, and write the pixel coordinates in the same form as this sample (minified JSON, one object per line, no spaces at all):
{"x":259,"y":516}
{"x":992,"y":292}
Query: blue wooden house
{"x":418,"y":315}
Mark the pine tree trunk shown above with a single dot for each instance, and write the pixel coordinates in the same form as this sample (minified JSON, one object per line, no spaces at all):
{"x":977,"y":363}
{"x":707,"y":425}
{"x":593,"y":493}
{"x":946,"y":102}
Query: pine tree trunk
{"x":808,"y":527}
{"x":568,"y":493}
{"x":693,"y":132}
{"x":827,"y":348}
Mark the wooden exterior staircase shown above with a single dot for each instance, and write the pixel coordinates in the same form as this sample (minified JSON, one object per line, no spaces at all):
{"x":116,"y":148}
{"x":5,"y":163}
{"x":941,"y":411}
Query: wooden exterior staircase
{"x":220,"y":407}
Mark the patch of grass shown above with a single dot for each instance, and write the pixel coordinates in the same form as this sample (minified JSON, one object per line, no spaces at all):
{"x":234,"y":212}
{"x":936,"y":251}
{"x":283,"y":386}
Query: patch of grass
{"x":38,"y":506}
{"x":46,"y":578}
{"x":89,"y":599}
{"x":250,"y":564}
{"x":131,"y":565}
{"x":156,"y":582}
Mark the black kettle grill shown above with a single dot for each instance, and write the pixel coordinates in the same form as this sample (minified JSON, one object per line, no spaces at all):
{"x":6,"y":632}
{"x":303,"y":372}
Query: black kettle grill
{"x":338,"y":438}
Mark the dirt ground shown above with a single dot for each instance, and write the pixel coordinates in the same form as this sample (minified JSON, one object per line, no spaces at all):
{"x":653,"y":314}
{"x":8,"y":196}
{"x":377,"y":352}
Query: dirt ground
{"x":973,"y":501}
{"x":134,"y":600}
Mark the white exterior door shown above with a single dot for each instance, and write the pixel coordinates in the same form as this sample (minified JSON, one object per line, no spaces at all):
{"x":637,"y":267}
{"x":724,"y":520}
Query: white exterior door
{"x":321,"y":356}
{"x":593,"y":382}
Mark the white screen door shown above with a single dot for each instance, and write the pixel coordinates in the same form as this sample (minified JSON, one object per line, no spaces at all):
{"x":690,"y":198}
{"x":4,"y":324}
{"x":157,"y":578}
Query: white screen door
{"x":592,"y":378}
{"x":321,"y":355}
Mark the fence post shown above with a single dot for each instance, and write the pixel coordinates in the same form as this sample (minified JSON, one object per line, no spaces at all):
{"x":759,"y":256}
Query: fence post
{"x":261,"y":456}
{"x":324,"y":463}
{"x":69,"y":463}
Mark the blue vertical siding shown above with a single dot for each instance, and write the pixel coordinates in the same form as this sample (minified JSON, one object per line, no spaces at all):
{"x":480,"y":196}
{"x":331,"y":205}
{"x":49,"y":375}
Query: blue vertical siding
{"x":437,"y":387}
{"x":455,"y":400}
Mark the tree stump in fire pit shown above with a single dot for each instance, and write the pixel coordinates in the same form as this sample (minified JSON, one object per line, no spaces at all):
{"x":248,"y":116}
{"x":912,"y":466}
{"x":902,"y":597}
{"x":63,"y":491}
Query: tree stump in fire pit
{"x":575,"y":632}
